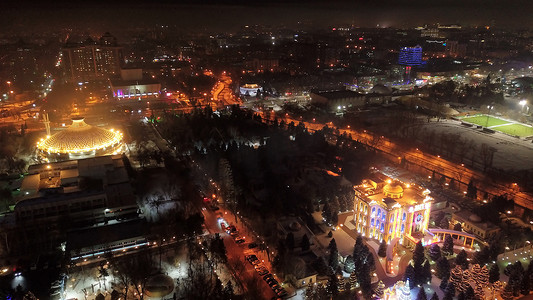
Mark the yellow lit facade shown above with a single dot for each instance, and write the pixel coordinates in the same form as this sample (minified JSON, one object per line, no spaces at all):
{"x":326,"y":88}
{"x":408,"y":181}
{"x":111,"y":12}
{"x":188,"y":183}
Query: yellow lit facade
{"x":82,"y":139}
{"x":385,"y":209}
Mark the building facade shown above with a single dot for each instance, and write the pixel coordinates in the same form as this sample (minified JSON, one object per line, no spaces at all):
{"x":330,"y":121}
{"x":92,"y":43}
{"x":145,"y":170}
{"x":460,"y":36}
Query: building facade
{"x":92,"y":60}
{"x":410,"y":56}
{"x":385,"y":209}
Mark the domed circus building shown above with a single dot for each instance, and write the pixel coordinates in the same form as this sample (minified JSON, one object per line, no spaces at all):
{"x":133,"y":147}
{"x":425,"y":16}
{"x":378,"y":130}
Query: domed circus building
{"x":80,"y":140}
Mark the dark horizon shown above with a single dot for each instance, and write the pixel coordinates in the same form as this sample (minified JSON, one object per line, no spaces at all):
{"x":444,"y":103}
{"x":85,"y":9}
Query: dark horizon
{"x":230,"y":15}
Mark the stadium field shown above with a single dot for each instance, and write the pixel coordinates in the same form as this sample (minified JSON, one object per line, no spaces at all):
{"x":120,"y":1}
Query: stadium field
{"x":485,"y":121}
{"x":515,"y":129}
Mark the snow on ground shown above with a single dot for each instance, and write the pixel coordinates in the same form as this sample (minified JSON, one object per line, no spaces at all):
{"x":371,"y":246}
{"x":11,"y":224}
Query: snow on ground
{"x":512,"y":153}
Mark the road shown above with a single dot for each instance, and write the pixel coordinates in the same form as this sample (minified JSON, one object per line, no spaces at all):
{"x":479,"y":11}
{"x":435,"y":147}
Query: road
{"x":243,"y":271}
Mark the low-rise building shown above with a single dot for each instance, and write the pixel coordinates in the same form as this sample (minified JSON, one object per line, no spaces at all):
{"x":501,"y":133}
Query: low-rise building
{"x":473,"y":224}
{"x":338,"y":101}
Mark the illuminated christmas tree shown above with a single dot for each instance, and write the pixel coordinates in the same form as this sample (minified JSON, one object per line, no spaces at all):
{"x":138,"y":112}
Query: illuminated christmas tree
{"x":479,"y":293}
{"x":380,"y":289}
{"x":353,"y":281}
{"x":483,"y":277}
{"x":456,"y":278}
{"x":475,"y":271}
{"x":507,"y":292}
{"x":467,"y":279}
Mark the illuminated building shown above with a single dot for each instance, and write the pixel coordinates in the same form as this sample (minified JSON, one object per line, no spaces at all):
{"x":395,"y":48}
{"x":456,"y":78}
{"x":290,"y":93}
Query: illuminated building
{"x":81,"y":140}
{"x":250,"y":89}
{"x":66,"y":195}
{"x":132,"y":85}
{"x":400,"y":291}
{"x":385,"y":209}
{"x":410,"y":56}
{"x":92,"y":60}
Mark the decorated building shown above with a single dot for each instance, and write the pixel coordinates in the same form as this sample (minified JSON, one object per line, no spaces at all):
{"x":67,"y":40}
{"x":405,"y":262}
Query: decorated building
{"x":80,"y":140}
{"x":385,"y":209}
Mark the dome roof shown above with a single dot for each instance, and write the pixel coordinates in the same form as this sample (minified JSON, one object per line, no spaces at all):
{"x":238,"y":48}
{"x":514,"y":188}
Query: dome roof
{"x":474,"y":218}
{"x":80,"y":137}
{"x":393,"y":188}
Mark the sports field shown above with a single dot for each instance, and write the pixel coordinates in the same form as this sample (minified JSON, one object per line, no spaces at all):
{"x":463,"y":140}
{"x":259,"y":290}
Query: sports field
{"x":486,"y":121}
{"x":501,"y":125}
{"x":515,"y":129}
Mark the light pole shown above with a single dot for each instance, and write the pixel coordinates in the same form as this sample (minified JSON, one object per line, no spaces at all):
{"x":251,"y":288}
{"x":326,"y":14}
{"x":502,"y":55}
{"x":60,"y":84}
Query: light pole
{"x":523,"y":103}
{"x":490,"y":107}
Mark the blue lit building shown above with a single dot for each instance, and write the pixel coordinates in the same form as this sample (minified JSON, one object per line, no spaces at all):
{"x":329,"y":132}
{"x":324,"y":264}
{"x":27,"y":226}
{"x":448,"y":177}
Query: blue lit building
{"x":410,"y":56}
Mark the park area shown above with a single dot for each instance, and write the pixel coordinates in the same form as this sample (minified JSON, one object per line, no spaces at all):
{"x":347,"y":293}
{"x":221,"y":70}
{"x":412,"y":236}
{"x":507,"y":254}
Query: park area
{"x":501,"y":125}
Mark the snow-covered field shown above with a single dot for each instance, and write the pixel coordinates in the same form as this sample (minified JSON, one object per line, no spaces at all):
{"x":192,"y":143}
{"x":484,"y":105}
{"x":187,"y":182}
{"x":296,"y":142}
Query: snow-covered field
{"x":511,"y":153}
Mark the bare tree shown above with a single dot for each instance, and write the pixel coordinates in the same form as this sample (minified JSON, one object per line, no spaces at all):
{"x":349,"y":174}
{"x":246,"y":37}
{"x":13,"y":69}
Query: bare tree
{"x":487,"y":155}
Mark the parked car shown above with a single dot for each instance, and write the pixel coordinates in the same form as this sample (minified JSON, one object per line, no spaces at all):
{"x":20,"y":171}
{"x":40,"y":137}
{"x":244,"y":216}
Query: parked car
{"x":252,"y":245}
{"x":251,"y":258}
{"x":239,"y":240}
{"x":267,"y":277}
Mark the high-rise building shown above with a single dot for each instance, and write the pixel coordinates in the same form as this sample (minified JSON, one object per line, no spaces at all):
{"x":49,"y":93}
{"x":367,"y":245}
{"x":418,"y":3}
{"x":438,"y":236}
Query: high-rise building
{"x":93,"y":60}
{"x":410,"y":56}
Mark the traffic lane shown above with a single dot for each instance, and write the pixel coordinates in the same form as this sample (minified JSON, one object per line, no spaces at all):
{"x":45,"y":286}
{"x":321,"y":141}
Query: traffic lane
{"x":243,"y":269}
{"x":235,"y":254}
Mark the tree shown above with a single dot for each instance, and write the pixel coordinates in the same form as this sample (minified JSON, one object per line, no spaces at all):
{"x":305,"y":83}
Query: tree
{"x":418,"y":255}
{"x":494,"y":273}
{"x":305,"y":244}
{"x":228,"y":290}
{"x":525,"y":285}
{"x":434,"y":252}
{"x":382,"y":251}
{"x":442,"y":268}
{"x":444,"y":223}
{"x":289,"y":241}
{"x":482,"y":257}
{"x":421,"y":294}
{"x":507,"y":293}
{"x":409,"y":273}
{"x":333,"y":285}
{"x":333,"y":259}
{"x":443,"y":284}
{"x":353,"y":280}
{"x":471,"y":190}
{"x":461,"y":260}
{"x":447,"y":246}
{"x":456,"y":278}
{"x":380,"y":289}
{"x":449,"y":293}
{"x":349,"y":264}
{"x":457,"y":227}
{"x":426,"y":272}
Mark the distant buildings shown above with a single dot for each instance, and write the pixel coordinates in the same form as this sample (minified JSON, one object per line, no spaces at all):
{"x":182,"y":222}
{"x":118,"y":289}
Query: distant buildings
{"x":388,"y":210}
{"x":131,"y":84}
{"x":92,"y":60}
{"x":410,"y":56}
{"x":338,"y":101}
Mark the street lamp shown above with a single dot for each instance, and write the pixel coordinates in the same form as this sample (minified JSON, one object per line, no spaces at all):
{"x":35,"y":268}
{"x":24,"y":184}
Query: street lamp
{"x":490,"y":107}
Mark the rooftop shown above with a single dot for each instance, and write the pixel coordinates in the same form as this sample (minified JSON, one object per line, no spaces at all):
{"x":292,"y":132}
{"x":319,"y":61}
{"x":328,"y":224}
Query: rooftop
{"x":332,"y":95}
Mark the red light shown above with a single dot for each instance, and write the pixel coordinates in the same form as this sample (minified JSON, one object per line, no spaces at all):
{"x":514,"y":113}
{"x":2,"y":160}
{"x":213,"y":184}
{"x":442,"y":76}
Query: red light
{"x":334,"y":28}
{"x":360,"y":38}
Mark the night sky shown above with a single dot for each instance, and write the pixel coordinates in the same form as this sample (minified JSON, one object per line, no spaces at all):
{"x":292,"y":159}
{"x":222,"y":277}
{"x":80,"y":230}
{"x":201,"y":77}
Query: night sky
{"x":228,"y":15}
